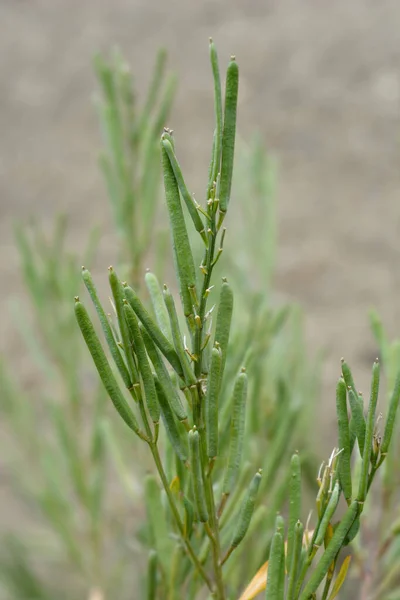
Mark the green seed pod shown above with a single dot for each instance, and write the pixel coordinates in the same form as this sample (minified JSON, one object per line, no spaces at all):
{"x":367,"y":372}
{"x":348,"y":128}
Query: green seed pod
{"x":223,"y":325}
{"x":357,"y":418}
{"x":158,"y":525}
{"x":163,"y":377}
{"x":103,"y":368}
{"x":198,"y":484}
{"x":229,"y":133}
{"x":275,"y":570}
{"x":328,"y":514}
{"x":106,"y":327}
{"x":331,"y":551}
{"x":187,"y":197}
{"x":174,"y":430}
{"x":157,"y":302}
{"x":216,"y":163}
{"x":152,"y":575}
{"x":391,"y":418}
{"x":344,"y":468}
{"x":211,"y":403}
{"x":183,"y":257}
{"x":189,"y":376}
{"x":294,"y":504}
{"x":369,"y":433}
{"x":154,"y":332}
{"x":246,"y":511}
{"x":295,"y":559}
{"x":236,"y":432}
{"x":117,"y":291}
{"x":143,"y":363}
{"x":347,"y":376}
{"x":189,"y":517}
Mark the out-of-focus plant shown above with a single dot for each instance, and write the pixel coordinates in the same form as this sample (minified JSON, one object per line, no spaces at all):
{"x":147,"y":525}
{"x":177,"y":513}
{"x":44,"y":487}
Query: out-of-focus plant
{"x":177,"y":392}
{"x":56,"y":459}
{"x":130,"y":161}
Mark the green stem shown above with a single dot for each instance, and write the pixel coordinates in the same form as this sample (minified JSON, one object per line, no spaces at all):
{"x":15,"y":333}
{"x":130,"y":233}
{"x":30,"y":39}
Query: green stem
{"x":175,"y":512}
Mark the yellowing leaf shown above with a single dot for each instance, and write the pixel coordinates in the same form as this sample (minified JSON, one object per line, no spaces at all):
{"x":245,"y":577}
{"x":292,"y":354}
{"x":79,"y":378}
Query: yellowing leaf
{"x":340,"y":578}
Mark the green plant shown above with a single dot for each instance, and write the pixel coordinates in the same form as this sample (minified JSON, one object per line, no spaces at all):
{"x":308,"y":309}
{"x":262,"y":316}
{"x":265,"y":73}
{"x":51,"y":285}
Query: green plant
{"x":198,"y":453}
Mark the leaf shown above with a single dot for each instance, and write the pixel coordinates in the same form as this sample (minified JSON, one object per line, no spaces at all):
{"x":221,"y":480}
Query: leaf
{"x":340,"y":578}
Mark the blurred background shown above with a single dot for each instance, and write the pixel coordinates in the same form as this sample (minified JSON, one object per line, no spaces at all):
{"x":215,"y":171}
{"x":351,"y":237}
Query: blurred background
{"x":320,"y":84}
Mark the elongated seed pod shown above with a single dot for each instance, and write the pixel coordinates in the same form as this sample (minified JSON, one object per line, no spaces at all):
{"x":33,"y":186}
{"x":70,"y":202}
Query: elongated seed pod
{"x":174,"y":430}
{"x":344,"y":468}
{"x":224,"y":319}
{"x":158,"y":522}
{"x":229,"y":133}
{"x":158,"y":304}
{"x":183,"y":257}
{"x":143,"y":363}
{"x":391,"y":418}
{"x":358,"y":419}
{"x":103,"y":368}
{"x":274,"y":575}
{"x":187,"y":197}
{"x":294,"y":504}
{"x":211,"y":403}
{"x":347,"y":376}
{"x":152,"y":575}
{"x":117,"y":292}
{"x":163,"y":377}
{"x":216,"y":165}
{"x":198,"y":484}
{"x":246,"y":511}
{"x":331,"y":551}
{"x":328,"y":514}
{"x":236,"y":432}
{"x":369,"y":433}
{"x":295,"y":559}
{"x":189,"y":518}
{"x":188,"y":374}
{"x":154,"y":332}
{"x":106,"y":327}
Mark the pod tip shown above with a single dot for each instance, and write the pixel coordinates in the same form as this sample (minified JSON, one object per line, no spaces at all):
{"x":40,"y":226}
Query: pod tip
{"x":76,"y":298}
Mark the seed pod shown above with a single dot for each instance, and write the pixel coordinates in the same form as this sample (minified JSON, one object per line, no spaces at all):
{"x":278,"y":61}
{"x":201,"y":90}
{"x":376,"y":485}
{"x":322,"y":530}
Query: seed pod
{"x":344,"y":468}
{"x":103,"y":368}
{"x":369,"y":433}
{"x":152,"y":575}
{"x":328,"y":514}
{"x":158,"y":523}
{"x":117,"y":291}
{"x":105,"y":325}
{"x":347,"y":376}
{"x":189,"y":517}
{"x":246,"y":511}
{"x":163,"y":377}
{"x":216,"y":163}
{"x":183,"y":257}
{"x":174,"y":431}
{"x":229,"y":133}
{"x":211,"y":403}
{"x":154,"y":332}
{"x":189,"y":376}
{"x":276,"y":559}
{"x":295,"y":559}
{"x":198,"y":484}
{"x":391,"y":418}
{"x":331,"y":551}
{"x":143,"y":363}
{"x":187,"y":197}
{"x":357,"y":418}
{"x":294,"y":504}
{"x":223,"y":325}
{"x":157,"y":302}
{"x":236,"y":432}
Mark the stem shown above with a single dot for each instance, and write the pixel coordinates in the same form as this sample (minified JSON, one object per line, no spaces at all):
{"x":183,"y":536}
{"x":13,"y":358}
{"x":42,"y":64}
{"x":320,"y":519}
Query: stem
{"x":175,"y":512}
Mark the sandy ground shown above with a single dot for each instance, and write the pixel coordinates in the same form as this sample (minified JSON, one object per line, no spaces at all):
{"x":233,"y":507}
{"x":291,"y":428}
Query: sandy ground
{"x":319,"y":80}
